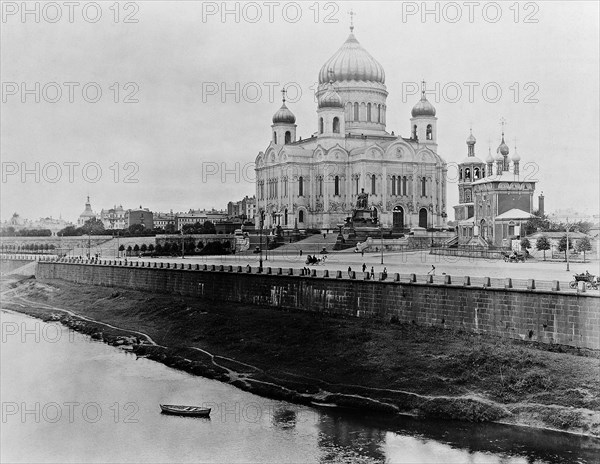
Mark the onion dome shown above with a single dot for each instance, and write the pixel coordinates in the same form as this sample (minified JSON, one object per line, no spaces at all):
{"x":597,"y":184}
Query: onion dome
{"x":490,"y":158}
{"x":503,"y":148}
{"x":516,"y":157}
{"x":352,"y":63}
{"x":470,"y":139}
{"x":284,"y":115}
{"x":330,"y":99}
{"x":423,"y":107}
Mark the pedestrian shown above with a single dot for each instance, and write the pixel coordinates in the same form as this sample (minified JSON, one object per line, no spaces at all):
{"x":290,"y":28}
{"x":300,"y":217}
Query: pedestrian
{"x":300,"y":252}
{"x":349,"y":271}
{"x":372,"y":272}
{"x":323,"y":236}
{"x":362,"y":252}
{"x":384,"y":274}
{"x":364,"y":267}
{"x":432,"y":271}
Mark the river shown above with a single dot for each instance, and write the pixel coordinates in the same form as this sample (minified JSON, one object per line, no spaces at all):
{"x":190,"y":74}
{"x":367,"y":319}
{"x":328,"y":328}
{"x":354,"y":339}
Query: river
{"x":67,"y":398}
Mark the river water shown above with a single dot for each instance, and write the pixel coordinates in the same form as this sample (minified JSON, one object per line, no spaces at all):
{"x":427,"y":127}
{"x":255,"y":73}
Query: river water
{"x":66,"y":398}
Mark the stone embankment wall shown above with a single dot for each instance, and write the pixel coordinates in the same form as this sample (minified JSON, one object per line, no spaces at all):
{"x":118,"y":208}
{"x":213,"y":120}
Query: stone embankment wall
{"x":546,"y":316}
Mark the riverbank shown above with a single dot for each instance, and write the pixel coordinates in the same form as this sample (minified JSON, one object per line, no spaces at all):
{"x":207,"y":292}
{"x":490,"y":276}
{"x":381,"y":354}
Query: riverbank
{"x":309,"y":358}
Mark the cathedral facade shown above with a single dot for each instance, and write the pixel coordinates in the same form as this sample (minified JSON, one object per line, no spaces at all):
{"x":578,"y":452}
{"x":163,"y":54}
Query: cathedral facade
{"x":315,"y":182}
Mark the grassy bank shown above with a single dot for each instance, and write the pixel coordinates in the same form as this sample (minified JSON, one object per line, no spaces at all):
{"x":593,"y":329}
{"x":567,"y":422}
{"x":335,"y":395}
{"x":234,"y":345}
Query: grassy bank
{"x":305,"y":357}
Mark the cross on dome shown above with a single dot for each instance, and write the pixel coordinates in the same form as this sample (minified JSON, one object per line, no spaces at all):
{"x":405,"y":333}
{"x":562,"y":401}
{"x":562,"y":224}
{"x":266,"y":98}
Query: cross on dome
{"x":352,"y":14}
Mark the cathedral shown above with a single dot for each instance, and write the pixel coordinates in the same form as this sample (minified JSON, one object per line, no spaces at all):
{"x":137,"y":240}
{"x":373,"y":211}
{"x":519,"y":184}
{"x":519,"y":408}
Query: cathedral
{"x":315,"y":182}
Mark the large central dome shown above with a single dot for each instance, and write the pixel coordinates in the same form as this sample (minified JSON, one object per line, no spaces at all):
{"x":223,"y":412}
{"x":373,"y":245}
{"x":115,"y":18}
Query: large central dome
{"x":352,"y":63}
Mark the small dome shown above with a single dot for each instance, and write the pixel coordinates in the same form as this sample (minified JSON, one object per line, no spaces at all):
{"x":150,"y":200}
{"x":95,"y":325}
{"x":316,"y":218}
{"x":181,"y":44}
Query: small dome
{"x":284,"y":116}
{"x":330,"y":99}
{"x":423,"y":108}
{"x":503,"y":148}
{"x":352,"y":63}
{"x":490,"y":158}
{"x":516,"y":157}
{"x":471,"y":140}
{"x":471,"y":160}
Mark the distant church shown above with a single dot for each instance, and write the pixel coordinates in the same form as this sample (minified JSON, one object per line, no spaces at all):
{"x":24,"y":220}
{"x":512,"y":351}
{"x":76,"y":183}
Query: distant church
{"x":494,"y":204}
{"x":315,"y":182}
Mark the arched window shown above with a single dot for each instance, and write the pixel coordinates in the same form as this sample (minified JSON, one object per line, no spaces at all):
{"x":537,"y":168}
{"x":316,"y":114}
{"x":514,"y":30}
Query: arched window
{"x":460,"y":174}
{"x":336,"y":125}
{"x":373,"y":184}
{"x":300,"y":216}
{"x":476,"y":173}
{"x":336,"y":185}
{"x":288,"y":137}
{"x":300,"y":186}
{"x":320,"y":125}
{"x":423,"y":187}
{"x":368,"y":112}
{"x":379,"y":113}
{"x":393,"y":185}
{"x":275,"y":138}
{"x":320,"y":186}
{"x":285,"y":218}
{"x":404,"y":184}
{"x":356,"y":111}
{"x":467,"y":174}
{"x":483,"y":172}
{"x":429,"y":132}
{"x":414,"y":132}
{"x":356,"y":182}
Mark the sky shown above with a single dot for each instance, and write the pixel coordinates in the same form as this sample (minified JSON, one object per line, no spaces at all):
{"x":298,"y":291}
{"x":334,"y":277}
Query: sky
{"x":166,"y":105}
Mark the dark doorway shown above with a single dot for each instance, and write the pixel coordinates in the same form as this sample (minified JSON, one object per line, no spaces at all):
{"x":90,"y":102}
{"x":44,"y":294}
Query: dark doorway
{"x":423,"y":218}
{"x":398,"y":218}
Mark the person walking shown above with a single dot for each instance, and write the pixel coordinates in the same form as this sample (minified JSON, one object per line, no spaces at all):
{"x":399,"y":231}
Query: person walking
{"x":372,"y":273}
{"x":432,"y":271}
{"x":349,"y":271}
{"x":384,"y":274}
{"x":364,"y":267}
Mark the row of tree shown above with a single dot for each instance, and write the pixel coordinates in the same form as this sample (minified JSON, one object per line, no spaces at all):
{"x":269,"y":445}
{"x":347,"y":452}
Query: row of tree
{"x":96,"y":227}
{"x":170,"y":248}
{"x":36,"y":247}
{"x":542,"y":223}
{"x":582,"y":245}
{"x":10,"y":231}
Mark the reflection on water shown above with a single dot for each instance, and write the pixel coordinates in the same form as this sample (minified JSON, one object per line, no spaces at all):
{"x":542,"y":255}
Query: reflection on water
{"x":66,"y":398}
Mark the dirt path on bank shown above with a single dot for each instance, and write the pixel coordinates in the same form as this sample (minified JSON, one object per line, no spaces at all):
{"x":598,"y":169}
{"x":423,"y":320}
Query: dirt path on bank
{"x":318,"y":359}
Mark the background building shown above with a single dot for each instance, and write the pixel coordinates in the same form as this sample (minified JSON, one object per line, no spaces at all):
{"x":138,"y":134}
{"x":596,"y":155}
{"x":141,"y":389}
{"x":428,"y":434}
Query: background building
{"x":87,"y":214}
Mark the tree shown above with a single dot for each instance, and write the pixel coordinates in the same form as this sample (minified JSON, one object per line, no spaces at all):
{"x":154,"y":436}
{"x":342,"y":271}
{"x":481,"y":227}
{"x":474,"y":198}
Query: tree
{"x":562,"y":245}
{"x":525,"y":243}
{"x":170,"y":228}
{"x":166,"y":248}
{"x":208,"y":228}
{"x":136,"y":248}
{"x":144,"y":248}
{"x":151,"y":248}
{"x":136,"y":229}
{"x":584,"y":245}
{"x":129,"y":250}
{"x":539,"y":222}
{"x":159,"y":249}
{"x":543,"y":244}
{"x":93,"y":226}
{"x":69,"y":231}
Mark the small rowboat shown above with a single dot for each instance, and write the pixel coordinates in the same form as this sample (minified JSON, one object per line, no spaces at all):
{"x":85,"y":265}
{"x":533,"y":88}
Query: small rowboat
{"x":192,"y":411}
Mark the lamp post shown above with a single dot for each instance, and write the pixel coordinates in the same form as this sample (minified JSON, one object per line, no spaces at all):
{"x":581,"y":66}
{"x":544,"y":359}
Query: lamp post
{"x":567,"y":249}
{"x":261,"y":222}
{"x":381,"y":230}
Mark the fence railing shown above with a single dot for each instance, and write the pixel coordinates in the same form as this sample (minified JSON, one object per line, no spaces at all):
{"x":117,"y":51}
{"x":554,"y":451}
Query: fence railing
{"x":419,"y":279}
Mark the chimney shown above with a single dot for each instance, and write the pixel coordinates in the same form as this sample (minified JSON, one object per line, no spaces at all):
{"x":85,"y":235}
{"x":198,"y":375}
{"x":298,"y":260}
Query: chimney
{"x":541,"y":203}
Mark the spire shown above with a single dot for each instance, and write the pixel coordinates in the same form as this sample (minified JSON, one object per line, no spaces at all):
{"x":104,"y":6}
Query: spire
{"x":283,"y":92}
{"x":352,"y":14}
{"x":423,"y":88}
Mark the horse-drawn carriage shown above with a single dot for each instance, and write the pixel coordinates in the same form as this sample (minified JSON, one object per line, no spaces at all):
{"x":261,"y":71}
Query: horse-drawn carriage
{"x":514,"y":257}
{"x":313,"y":260}
{"x":590,"y":280}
